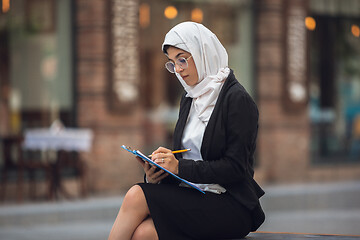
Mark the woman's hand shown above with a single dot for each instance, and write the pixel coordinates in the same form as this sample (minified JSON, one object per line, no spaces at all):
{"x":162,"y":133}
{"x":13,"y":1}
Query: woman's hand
{"x":153,"y":174}
{"x":166,"y":159}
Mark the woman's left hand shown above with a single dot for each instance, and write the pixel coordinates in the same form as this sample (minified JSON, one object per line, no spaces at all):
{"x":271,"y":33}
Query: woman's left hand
{"x":166,"y":159}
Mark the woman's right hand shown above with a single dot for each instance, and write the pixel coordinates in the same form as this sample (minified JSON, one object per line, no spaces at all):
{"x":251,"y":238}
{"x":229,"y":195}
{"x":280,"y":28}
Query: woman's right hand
{"x":152,"y":174}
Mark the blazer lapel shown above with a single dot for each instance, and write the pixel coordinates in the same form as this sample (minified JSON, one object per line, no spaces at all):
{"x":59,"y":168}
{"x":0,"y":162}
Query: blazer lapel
{"x":180,"y":125}
{"x":210,"y":129}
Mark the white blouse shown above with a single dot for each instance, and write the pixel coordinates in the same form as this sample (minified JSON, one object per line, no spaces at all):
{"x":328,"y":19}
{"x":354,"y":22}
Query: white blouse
{"x":192,"y":138}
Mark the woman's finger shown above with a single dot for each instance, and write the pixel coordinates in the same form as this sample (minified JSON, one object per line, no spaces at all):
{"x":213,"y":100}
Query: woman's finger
{"x":157,"y":173}
{"x":161,"y":150}
{"x":140,"y":161}
{"x":156,"y":177}
{"x":146,"y":167}
{"x":163,"y":176}
{"x":158,"y":157}
{"x":160,"y":160}
{"x":149,"y":169}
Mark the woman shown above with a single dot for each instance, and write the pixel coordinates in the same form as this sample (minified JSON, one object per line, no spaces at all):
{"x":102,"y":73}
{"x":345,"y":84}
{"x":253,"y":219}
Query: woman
{"x":218,"y":121}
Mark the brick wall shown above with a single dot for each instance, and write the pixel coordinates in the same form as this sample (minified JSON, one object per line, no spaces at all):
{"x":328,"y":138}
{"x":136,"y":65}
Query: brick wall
{"x":283,"y":137}
{"x":110,"y":169}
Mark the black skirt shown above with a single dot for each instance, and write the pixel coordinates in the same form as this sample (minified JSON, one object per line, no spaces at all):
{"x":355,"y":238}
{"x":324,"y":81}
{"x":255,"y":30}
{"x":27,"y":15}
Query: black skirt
{"x":181,"y":213}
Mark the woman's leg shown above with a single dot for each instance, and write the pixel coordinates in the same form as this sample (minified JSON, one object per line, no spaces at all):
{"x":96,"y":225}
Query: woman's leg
{"x":145,"y":231}
{"x":133,"y":212}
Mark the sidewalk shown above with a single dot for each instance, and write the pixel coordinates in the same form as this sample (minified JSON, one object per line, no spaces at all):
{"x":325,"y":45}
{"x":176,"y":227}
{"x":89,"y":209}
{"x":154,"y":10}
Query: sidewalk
{"x":91,"y":209}
{"x":316,"y":208}
{"x":76,"y":220}
{"x":329,"y":208}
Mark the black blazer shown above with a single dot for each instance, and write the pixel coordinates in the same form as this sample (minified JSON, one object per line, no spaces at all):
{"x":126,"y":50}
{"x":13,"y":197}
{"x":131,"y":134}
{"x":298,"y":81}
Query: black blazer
{"x":228,"y":144}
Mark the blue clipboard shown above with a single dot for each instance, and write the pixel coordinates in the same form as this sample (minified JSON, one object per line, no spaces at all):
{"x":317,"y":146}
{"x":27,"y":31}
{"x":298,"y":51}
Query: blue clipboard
{"x":145,"y":158}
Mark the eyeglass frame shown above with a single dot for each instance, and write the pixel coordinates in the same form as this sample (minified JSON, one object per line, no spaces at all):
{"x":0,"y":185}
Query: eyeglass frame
{"x":176,"y":62}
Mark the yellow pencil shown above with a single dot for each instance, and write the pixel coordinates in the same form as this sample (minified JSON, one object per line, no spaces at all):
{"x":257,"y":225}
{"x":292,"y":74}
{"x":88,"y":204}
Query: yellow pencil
{"x":178,"y":151}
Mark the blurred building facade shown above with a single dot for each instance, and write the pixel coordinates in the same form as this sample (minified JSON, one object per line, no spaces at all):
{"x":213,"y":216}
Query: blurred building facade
{"x":99,"y":65}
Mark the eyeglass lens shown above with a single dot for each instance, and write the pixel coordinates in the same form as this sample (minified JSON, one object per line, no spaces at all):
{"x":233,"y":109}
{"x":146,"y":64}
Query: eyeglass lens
{"x":181,"y":62}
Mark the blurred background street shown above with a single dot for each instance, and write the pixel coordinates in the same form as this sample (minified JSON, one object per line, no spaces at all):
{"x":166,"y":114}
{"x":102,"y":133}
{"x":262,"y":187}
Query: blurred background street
{"x":317,"y":208}
{"x":80,"y":78}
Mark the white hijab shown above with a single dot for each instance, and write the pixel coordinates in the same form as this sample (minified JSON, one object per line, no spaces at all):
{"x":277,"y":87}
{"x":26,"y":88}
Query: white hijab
{"x":211,"y":61}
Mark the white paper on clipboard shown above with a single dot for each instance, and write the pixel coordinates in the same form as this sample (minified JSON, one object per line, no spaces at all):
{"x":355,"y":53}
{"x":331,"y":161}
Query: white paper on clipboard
{"x":145,"y":158}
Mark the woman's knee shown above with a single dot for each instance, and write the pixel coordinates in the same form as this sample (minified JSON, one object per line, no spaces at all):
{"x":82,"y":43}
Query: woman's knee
{"x":134,"y":198}
{"x":145,"y":231}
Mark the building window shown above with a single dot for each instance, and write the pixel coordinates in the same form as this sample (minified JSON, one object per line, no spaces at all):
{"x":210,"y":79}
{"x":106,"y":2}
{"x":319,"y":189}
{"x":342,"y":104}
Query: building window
{"x":335,"y":81}
{"x":36,"y":65}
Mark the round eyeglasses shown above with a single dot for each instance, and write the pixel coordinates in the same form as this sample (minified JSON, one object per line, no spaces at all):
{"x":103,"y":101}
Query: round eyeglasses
{"x":181,"y":62}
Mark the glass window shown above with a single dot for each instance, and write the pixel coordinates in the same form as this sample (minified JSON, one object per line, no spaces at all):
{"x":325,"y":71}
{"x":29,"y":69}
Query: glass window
{"x":36,"y":84}
{"x":335,"y":81}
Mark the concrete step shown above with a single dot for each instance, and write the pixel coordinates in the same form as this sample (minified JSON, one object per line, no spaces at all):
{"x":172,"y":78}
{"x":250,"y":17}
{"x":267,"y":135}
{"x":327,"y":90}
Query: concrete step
{"x":344,"y":196}
{"x":315,"y":196}
{"x":86,"y":210}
